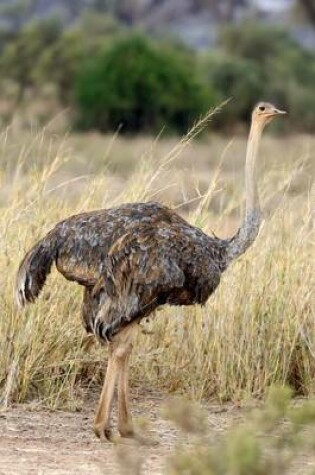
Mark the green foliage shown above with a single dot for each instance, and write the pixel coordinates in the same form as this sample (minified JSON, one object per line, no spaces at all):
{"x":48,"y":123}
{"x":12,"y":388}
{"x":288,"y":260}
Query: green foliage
{"x":243,"y":453}
{"x":251,"y":447}
{"x":292,"y":83}
{"x":44,"y":53}
{"x":141,"y":86}
{"x":5,"y":37}
{"x":283,"y":71}
{"x":61,"y":63}
{"x":256,"y":42}
{"x":234,"y":78}
{"x":20,"y":56}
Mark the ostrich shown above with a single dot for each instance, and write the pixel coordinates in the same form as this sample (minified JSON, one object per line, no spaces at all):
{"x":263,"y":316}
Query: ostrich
{"x":132,"y":259}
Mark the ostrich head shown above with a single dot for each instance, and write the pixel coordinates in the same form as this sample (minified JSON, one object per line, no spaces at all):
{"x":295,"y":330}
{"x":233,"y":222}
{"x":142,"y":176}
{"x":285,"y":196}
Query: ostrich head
{"x":264,"y":112}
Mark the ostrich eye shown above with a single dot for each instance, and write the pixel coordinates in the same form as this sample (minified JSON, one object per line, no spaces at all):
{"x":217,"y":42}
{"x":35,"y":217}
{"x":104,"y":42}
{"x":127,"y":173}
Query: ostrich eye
{"x":262,"y":108}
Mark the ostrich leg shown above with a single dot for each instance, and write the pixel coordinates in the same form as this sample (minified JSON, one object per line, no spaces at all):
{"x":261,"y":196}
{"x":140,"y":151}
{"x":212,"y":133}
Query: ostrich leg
{"x":117,"y":368}
{"x":102,"y":420}
{"x":125,"y":426}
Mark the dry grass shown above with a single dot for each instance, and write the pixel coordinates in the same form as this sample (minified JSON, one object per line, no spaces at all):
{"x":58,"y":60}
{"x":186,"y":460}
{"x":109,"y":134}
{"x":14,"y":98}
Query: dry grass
{"x":258,"y":329}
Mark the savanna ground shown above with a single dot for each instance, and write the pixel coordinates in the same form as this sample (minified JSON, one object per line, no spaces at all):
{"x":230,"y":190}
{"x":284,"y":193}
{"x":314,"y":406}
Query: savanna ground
{"x":40,"y":441}
{"x":256,"y":331}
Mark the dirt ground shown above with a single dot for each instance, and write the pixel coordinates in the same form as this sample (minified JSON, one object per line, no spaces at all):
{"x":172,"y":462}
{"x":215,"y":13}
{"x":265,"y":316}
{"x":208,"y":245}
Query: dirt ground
{"x":42,"y":442}
{"x":34,"y":441}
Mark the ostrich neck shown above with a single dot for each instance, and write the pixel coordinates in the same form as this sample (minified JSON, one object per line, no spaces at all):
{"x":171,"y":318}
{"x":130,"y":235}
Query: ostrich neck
{"x":248,"y":231}
{"x":252,"y":199}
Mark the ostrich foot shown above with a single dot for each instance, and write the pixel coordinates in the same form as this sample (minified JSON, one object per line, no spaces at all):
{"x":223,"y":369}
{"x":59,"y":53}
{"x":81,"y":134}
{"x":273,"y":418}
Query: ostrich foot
{"x":104,"y":434}
{"x":107,"y":435}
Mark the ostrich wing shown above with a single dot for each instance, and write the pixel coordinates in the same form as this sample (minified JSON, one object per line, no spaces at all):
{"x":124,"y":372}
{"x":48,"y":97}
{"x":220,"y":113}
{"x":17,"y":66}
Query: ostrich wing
{"x":145,"y":262}
{"x":141,"y":271}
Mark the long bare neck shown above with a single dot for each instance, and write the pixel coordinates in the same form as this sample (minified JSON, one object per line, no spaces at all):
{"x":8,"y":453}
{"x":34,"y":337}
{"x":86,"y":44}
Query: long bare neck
{"x":248,"y":231}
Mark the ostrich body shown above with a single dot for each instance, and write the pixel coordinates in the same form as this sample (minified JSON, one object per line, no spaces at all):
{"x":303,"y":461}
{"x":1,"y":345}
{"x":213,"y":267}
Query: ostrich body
{"x":133,"y":259}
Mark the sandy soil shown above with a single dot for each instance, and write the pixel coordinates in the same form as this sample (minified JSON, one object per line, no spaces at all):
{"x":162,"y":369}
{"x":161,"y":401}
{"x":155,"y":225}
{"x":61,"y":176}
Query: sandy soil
{"x":35,"y":441}
{"x":43,"y":442}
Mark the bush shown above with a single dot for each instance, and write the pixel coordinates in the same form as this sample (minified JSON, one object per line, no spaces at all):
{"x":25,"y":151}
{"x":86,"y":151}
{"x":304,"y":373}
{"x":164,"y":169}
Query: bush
{"x":275,"y":438}
{"x":238,"y":79}
{"x":20,"y":56}
{"x":266,"y":63}
{"x":141,"y":86}
{"x":61,"y":63}
{"x":292,"y":83}
{"x":256,"y":42}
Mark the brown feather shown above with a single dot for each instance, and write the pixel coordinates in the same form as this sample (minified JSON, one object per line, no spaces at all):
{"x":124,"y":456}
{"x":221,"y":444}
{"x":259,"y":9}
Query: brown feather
{"x":131,"y":259}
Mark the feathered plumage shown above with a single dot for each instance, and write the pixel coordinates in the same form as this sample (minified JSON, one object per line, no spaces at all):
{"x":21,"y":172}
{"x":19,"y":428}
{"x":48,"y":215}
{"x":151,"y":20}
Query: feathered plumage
{"x":133,"y":259}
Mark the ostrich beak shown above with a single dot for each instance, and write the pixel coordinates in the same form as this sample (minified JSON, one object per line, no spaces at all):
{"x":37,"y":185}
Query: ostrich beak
{"x":279,"y":112}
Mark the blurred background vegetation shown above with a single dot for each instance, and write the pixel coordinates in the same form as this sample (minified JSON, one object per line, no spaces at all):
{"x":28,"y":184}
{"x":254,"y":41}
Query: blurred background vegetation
{"x":142,"y":65}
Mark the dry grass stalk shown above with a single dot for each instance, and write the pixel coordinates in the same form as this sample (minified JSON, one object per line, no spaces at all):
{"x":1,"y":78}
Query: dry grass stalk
{"x":258,"y":329}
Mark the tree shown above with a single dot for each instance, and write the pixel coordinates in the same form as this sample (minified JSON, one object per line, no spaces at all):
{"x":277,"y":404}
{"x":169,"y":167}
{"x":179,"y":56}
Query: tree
{"x":61,"y":62}
{"x":284,"y":70}
{"x":255,"y":42}
{"x":141,"y":86}
{"x":234,"y":78}
{"x":20,"y":56}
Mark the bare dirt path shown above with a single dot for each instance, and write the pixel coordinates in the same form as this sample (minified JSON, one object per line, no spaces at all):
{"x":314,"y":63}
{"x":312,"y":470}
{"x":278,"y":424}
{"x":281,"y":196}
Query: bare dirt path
{"x":43,"y":442}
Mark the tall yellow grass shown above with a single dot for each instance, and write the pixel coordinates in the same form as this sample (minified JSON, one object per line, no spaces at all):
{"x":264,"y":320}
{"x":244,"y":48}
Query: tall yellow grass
{"x":257,"y":329}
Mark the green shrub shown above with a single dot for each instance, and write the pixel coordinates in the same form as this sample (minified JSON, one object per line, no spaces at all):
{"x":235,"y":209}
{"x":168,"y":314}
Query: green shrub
{"x":301,"y":104}
{"x":292,"y":84}
{"x":276,"y":438}
{"x":256,"y":42}
{"x":61,"y":62}
{"x":20,"y":56}
{"x":266,"y":63}
{"x":238,"y":79}
{"x":140,"y":86}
